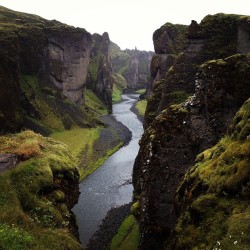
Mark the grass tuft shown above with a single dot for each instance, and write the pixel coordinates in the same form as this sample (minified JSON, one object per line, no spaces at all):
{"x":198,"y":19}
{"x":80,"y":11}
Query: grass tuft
{"x":127,"y":236}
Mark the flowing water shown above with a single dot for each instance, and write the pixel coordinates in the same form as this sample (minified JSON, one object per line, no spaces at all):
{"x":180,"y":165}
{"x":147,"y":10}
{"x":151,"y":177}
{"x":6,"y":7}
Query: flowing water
{"x":110,"y":185}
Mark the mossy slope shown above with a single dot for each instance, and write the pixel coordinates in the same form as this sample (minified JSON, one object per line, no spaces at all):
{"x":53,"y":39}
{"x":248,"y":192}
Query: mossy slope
{"x":214,"y":195}
{"x":36,"y":196}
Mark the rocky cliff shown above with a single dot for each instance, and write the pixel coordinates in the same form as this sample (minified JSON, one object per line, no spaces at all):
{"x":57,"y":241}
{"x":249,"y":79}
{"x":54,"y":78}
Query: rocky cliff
{"x":100,"y":69}
{"x":133,"y":65}
{"x":44,"y":59}
{"x":189,"y":110}
{"x":213,"y":198}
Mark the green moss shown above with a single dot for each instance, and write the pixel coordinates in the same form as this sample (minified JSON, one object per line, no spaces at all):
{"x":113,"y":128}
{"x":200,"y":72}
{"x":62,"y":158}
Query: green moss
{"x":140,"y":91}
{"x":135,"y":208}
{"x":93,"y":70}
{"x":178,"y":108}
{"x":94,"y":103}
{"x":32,"y":213}
{"x":141,"y":107}
{"x":13,"y":238}
{"x":219,"y":29}
{"x":78,"y":139}
{"x":94,"y":163}
{"x":31,"y":88}
{"x":116,"y":94}
{"x":178,"y":97}
{"x":119,"y":85}
{"x":127,"y":236}
{"x":216,"y":193}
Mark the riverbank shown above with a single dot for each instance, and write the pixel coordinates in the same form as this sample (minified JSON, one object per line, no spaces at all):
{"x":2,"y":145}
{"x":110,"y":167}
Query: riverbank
{"x":112,"y":137}
{"x":110,"y":185}
{"x":109,"y":227}
{"x":115,"y":216}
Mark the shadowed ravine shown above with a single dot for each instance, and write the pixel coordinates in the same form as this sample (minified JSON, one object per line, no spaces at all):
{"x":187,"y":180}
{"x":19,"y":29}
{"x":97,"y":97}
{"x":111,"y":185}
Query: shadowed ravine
{"x":110,"y":185}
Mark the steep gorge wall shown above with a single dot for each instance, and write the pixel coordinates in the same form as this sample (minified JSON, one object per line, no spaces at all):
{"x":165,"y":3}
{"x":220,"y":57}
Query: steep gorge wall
{"x":67,"y":59}
{"x":133,"y":65}
{"x":177,"y":128}
{"x":55,"y":56}
{"x":100,"y":69}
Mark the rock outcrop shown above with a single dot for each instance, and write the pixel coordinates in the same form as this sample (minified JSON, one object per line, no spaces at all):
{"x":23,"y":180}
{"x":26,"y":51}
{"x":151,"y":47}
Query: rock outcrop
{"x":169,"y":41}
{"x":244,"y":35}
{"x":133,"y":65}
{"x":38,"y":194}
{"x":100,"y":69}
{"x":43,"y":73}
{"x":189,"y":111}
{"x":213,"y":198}
{"x":7,"y":161}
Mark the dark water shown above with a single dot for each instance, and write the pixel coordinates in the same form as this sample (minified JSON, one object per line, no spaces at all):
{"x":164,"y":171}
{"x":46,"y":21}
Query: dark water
{"x":110,"y":185}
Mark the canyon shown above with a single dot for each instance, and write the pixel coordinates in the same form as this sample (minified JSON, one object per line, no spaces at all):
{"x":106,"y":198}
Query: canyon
{"x":191,"y":174}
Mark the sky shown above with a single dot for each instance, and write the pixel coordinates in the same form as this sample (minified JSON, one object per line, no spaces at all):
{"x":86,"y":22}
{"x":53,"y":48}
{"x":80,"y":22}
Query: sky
{"x":130,"y":23}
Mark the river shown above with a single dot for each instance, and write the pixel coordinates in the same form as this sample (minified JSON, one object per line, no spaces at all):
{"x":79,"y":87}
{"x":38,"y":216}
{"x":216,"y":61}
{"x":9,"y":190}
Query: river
{"x":110,"y":185}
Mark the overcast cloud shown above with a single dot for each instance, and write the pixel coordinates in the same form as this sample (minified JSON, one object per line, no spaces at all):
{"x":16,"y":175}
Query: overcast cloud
{"x":129,"y":23}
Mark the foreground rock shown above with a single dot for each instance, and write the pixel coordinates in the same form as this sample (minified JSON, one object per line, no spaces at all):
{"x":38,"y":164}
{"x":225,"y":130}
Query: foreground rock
{"x":178,"y":127}
{"x":38,"y":194}
{"x":7,"y":161}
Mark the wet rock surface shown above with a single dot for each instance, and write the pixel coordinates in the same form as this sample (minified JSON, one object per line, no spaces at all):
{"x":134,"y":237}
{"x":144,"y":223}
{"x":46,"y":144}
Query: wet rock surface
{"x":110,"y":224}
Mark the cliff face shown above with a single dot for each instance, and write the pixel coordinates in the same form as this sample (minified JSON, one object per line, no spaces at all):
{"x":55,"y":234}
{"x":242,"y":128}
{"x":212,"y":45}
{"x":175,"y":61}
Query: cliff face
{"x":244,"y":35}
{"x":66,"y":63}
{"x":37,"y":194}
{"x":213,"y":198}
{"x":100,"y":70}
{"x":133,"y":65}
{"x":169,"y":41}
{"x":43,"y":74}
{"x":10,"y":117}
{"x":189,"y":110}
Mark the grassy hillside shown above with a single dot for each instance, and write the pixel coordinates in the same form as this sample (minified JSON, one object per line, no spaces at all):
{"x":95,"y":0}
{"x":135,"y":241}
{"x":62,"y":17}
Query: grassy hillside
{"x":36,"y":196}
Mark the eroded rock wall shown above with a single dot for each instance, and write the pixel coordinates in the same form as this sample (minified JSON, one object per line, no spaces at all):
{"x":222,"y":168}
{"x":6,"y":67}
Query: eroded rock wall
{"x":189,"y":110}
{"x":244,"y":35}
{"x":100,"y":70}
{"x":68,"y":59}
{"x":169,"y":41}
{"x":133,"y":65}
{"x":10,"y":113}
{"x":55,"y":58}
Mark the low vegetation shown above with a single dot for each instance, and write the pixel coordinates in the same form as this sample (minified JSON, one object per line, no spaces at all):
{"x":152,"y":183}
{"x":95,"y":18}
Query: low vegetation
{"x":119,"y":85}
{"x":35,"y":211}
{"x":141,"y":107}
{"x":127,"y":236}
{"x":79,"y":140}
{"x":116,"y":94}
{"x":140,"y":91}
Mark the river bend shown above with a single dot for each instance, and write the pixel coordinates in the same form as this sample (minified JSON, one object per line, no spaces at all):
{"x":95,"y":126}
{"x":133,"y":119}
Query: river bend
{"x":111,"y":184}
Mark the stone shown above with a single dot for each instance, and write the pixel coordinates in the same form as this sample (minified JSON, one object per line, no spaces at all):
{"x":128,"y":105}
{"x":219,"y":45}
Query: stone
{"x":177,"y":129}
{"x":7,"y":161}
